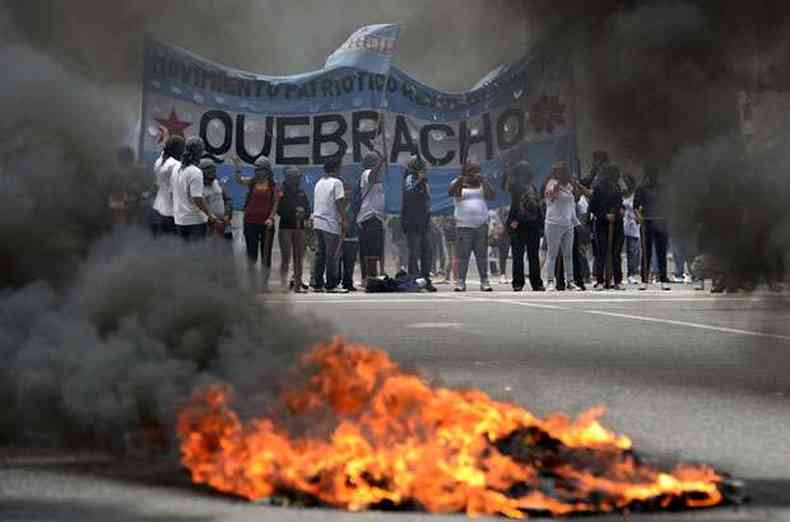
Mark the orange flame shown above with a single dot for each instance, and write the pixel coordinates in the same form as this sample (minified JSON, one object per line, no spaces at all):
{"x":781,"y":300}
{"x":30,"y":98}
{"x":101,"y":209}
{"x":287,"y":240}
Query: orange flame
{"x":398,"y":440}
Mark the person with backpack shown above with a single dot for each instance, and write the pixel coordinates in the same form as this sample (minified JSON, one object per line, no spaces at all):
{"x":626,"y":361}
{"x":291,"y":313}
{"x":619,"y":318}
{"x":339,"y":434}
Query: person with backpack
{"x":524,"y":224}
{"x":260,"y":208}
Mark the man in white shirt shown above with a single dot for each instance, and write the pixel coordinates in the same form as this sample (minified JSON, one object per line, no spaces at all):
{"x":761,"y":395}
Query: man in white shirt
{"x":371,"y":215}
{"x":190,"y":211}
{"x":329,"y":210}
{"x":217,"y":197}
{"x":164,"y":168}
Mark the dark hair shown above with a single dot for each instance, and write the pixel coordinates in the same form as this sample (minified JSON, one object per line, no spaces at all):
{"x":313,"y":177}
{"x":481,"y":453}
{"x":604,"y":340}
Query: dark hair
{"x":470,"y":167}
{"x":173,"y":147}
{"x":523,"y":171}
{"x":193,"y":151}
{"x":332,"y":166}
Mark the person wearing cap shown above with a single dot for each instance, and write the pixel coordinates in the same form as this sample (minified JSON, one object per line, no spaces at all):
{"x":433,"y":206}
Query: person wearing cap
{"x":524,"y":223}
{"x":371,"y":216}
{"x":471,"y":191}
{"x":190,"y":210}
{"x":164,"y":167}
{"x":217,"y":197}
{"x":260,"y":208}
{"x":294,"y":211}
{"x":415,"y":220}
{"x":329,"y":225}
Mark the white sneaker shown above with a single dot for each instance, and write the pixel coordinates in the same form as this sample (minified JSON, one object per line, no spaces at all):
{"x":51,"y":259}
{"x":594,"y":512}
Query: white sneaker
{"x":687,"y":279}
{"x":643,"y":286}
{"x":551,"y":286}
{"x":571,"y":287}
{"x":598,"y":287}
{"x":485,"y":287}
{"x":665,"y":286}
{"x":699,"y":285}
{"x":632,"y":280}
{"x":504,"y":280}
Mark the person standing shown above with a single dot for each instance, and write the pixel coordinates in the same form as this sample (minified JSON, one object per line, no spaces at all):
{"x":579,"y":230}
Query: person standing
{"x":371,"y":216}
{"x":450,"y":267}
{"x":415,"y":220}
{"x":606,"y":206}
{"x":650,"y":206}
{"x":190,"y":211}
{"x":471,"y":191}
{"x":524,"y":224}
{"x":560,"y":223}
{"x":348,"y":258}
{"x":164,"y":168}
{"x":329,"y":226}
{"x":294,"y":210}
{"x":217,"y":198}
{"x":260,"y":208}
{"x":633,"y":249}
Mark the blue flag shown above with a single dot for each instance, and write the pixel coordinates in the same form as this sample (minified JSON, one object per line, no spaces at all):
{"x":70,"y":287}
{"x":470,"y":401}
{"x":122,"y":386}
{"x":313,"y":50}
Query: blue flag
{"x":370,"y":49}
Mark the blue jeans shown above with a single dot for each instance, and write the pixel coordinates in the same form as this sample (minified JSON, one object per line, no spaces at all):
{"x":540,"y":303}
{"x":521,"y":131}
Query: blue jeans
{"x":327,"y":260}
{"x":633,"y":254}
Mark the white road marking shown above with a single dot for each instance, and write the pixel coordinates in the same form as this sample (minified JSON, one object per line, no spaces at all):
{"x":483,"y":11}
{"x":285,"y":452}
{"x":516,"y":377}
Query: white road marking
{"x":435,"y":325}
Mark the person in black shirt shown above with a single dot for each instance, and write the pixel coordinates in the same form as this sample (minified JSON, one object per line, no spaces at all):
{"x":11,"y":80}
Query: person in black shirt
{"x":294,"y":210}
{"x":650,"y":206}
{"x":415,"y":219}
{"x":524,"y":223}
{"x":607,"y":207}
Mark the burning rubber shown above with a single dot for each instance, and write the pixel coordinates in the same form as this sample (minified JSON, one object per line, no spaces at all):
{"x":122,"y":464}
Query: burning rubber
{"x":359,"y":432}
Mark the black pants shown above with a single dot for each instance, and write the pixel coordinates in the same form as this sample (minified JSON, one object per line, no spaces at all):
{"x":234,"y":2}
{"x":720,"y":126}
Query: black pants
{"x":161,"y":225}
{"x":656,"y":235}
{"x":529,"y":240}
{"x":259,"y":238}
{"x":616,"y":252}
{"x":371,"y":246}
{"x":419,"y":245}
{"x":193,"y":232}
{"x":347,"y":261}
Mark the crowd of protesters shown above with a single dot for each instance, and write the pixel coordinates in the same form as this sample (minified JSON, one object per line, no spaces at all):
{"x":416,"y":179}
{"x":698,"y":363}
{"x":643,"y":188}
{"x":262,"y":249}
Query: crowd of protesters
{"x":574,"y":231}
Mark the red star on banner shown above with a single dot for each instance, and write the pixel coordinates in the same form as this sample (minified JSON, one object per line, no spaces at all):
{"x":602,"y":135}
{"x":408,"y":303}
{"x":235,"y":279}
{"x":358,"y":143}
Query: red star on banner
{"x":172,"y":126}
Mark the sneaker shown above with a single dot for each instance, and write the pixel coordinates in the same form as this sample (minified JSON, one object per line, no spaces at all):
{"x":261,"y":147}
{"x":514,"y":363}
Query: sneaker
{"x":687,"y":279}
{"x":619,"y":286}
{"x":503,"y":280}
{"x":299,"y":290}
{"x":540,"y":288}
{"x":518,"y":288}
{"x":643,"y":286}
{"x":337,"y":290}
{"x":665,"y":286}
{"x":699,"y":285}
{"x":429,"y":286}
{"x":460,"y":288}
{"x":599,"y":287}
{"x":570,"y":287}
{"x":551,"y":287}
{"x":632,"y":280}
{"x":350,"y":288}
{"x":441,"y":281}
{"x":485,"y":287}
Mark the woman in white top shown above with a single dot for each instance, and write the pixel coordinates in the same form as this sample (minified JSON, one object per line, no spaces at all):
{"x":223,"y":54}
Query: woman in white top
{"x":560,"y":222}
{"x":471,"y":192}
{"x":164,"y":168}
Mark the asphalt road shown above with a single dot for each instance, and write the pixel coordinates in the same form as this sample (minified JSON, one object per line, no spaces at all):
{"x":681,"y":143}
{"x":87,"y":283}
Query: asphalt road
{"x":688,"y":376}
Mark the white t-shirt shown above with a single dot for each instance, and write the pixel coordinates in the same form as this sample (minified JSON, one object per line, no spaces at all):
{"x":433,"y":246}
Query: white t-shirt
{"x":163,"y":173}
{"x":629,"y":217}
{"x":214,"y":198}
{"x":187,"y":183}
{"x":471,"y":209}
{"x":328,"y":191}
{"x":373,"y":203}
{"x":562,"y":209}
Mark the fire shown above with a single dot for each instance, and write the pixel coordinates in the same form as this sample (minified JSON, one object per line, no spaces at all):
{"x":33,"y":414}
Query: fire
{"x":397,"y":441}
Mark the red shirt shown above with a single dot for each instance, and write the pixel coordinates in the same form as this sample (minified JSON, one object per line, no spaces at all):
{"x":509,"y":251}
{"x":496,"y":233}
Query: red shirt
{"x":260,"y":203}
